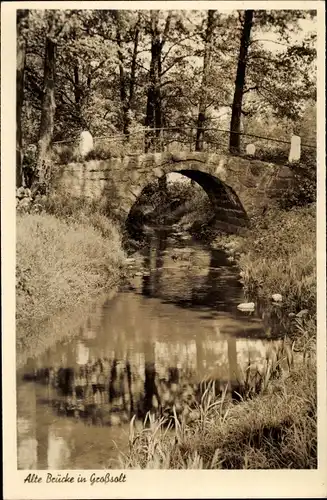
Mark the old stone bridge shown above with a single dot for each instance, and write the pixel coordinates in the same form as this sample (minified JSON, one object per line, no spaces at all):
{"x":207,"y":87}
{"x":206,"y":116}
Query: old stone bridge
{"x":238,"y":187}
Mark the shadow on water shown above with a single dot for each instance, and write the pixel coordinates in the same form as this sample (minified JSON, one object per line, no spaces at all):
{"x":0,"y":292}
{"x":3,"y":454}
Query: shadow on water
{"x":143,"y":351}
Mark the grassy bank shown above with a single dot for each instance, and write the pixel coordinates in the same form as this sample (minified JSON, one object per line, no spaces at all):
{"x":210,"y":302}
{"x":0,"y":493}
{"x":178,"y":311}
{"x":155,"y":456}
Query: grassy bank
{"x":278,"y":255}
{"x":276,"y":428}
{"x":62,"y":261}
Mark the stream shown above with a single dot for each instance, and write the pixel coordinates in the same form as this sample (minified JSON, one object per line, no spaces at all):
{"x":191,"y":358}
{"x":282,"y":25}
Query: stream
{"x":151,"y":346}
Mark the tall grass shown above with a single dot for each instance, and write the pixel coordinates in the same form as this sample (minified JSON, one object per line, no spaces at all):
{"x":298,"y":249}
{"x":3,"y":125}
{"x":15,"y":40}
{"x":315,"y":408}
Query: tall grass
{"x":61,"y":263}
{"x":278,"y":255}
{"x":275,"y":430}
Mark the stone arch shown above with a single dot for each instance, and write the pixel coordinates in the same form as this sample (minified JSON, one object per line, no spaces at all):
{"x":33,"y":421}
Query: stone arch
{"x":228,"y":211}
{"x":238,"y":186}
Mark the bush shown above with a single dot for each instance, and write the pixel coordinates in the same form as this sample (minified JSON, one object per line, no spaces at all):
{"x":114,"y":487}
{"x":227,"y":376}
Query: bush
{"x":29,"y":165}
{"x":64,"y":154}
{"x":182,"y":202}
{"x":278,"y":255}
{"x":303,"y":188}
{"x":276,"y":153}
{"x":103,"y":150}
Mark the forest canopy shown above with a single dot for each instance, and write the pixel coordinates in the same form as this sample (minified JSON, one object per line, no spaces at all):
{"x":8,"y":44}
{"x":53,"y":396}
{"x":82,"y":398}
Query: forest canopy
{"x":192,"y":73}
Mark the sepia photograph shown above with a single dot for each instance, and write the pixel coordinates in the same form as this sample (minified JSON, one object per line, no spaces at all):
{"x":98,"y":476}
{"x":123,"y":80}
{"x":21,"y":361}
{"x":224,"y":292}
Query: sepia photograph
{"x":165,"y":239}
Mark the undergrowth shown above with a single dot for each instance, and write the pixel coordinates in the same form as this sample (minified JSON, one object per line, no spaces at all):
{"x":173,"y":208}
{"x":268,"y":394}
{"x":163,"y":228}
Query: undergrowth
{"x":278,"y":255}
{"x":62,"y":262}
{"x":274,"y":430}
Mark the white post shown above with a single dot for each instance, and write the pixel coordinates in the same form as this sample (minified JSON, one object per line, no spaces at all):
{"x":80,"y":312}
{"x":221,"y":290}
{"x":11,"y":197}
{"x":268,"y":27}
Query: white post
{"x":250,"y":149}
{"x":85,"y":143}
{"x":295,"y":151}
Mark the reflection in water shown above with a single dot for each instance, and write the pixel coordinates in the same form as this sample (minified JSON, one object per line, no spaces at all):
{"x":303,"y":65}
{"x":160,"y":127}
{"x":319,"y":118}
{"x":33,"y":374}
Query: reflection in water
{"x":26,"y":422}
{"x":144,"y":351}
{"x":58,"y":452}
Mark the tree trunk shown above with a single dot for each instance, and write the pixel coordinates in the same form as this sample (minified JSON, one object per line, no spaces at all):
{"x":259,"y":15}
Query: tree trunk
{"x":126,"y":91}
{"x":78,"y":95}
{"x":235,"y":127}
{"x":77,"y":88}
{"x":154,"y":101}
{"x":47,"y":113}
{"x":200,"y":130}
{"x":22,"y":16}
{"x":205,"y":76}
{"x":132,"y":81}
{"x":125,"y":98}
{"x":153,"y":108}
{"x":122,"y":76}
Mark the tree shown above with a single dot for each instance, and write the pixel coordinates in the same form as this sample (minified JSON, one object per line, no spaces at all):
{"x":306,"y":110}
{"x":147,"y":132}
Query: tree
{"x":127,"y":81}
{"x":280,"y":74}
{"x":116,"y":71}
{"x":55,"y":23}
{"x":154,"y":105}
{"x":86,"y":86}
{"x":48,"y":107}
{"x":22,"y":25}
{"x":205,"y":77}
{"x":235,"y":126}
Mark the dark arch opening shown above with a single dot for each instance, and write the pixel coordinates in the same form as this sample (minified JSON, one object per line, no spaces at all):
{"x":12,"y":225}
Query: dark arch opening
{"x":228,"y":213}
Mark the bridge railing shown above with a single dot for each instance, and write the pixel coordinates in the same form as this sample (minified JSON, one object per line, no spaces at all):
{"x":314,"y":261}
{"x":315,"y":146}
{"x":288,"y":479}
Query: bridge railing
{"x":177,"y":139}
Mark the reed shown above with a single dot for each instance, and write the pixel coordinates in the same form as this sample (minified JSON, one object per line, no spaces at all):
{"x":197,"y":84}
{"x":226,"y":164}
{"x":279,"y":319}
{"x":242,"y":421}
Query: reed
{"x":275,"y":429}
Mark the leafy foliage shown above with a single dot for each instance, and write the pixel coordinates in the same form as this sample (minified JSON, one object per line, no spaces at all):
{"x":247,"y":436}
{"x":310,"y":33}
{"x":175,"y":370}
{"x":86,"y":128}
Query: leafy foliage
{"x":279,"y":256}
{"x":304,"y":184}
{"x":103,"y":71}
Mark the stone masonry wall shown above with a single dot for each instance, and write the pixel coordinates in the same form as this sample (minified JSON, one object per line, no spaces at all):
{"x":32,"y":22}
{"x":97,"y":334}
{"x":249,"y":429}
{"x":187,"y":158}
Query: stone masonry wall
{"x":120,"y":180}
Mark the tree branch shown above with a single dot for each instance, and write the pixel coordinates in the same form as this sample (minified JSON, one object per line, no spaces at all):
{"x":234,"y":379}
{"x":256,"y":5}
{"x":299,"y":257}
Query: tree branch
{"x":240,"y":18}
{"x":141,"y":66}
{"x":69,"y":78}
{"x":32,"y":51}
{"x":181,"y":95}
{"x":267,"y":40}
{"x":94,"y":70}
{"x":174,"y":45}
{"x":63,"y":94}
{"x":259,"y":56}
{"x":207,"y":106}
{"x":255,"y":87}
{"x":177,"y":60}
{"x":166,"y":30}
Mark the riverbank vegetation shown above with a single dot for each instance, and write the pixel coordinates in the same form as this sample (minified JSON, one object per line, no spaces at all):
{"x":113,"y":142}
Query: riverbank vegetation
{"x":182,"y":203}
{"x":278,"y":255}
{"x":275,"y":430}
{"x":65,"y":255}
